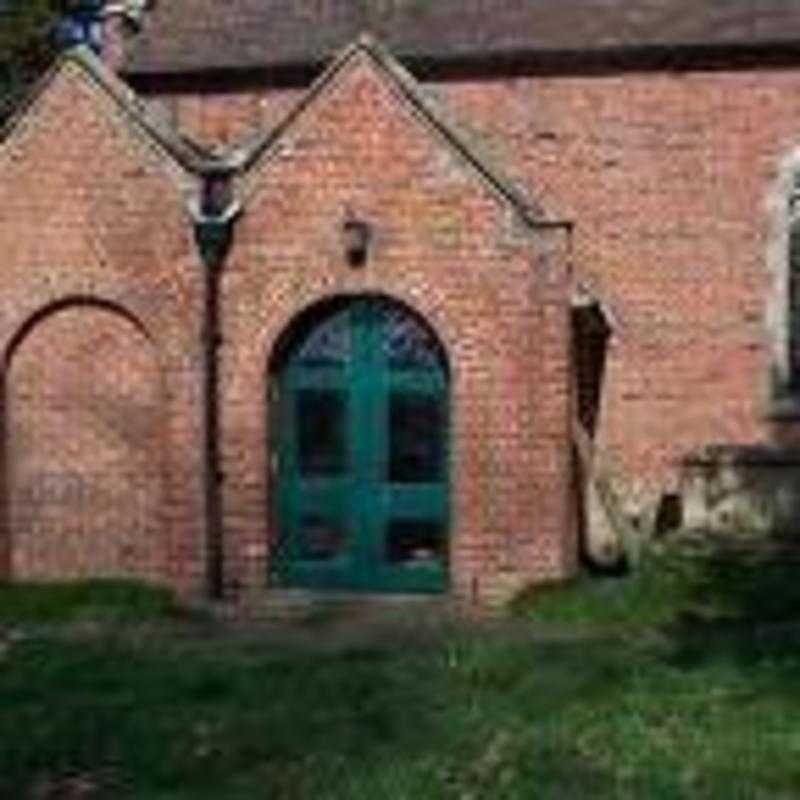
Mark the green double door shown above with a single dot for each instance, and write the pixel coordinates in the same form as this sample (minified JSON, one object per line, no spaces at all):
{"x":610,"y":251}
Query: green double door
{"x":360,"y":455}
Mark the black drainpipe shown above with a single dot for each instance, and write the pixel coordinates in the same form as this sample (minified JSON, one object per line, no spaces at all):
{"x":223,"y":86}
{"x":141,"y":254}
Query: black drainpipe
{"x":214,"y":217}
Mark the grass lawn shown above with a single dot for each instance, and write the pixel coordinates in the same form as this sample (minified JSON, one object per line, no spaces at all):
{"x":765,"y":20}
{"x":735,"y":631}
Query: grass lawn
{"x":658,"y":698}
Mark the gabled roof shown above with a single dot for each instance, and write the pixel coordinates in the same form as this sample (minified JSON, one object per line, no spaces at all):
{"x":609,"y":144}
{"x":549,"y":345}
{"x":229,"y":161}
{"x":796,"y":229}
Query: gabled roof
{"x":188,"y":154}
{"x":245,"y":160}
{"x":180,"y":36}
{"x":425,"y":109}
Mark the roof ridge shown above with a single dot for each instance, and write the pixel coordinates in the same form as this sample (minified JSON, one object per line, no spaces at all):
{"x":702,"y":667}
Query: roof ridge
{"x":260,"y":34}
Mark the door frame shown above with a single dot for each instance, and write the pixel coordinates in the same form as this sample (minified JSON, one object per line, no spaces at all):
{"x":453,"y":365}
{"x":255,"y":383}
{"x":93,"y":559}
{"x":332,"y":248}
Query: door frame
{"x":368,"y":571}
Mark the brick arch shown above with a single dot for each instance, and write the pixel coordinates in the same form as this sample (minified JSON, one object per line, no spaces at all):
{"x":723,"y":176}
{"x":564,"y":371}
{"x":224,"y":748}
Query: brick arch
{"x":248,"y":500}
{"x":433,"y":316}
{"x":284,"y":331}
{"x":78,"y":300}
{"x":311,"y":312}
{"x":82,"y":424}
{"x":301,"y":327}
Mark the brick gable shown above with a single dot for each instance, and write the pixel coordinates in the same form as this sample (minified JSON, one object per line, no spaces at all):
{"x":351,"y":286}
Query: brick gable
{"x":101,"y":300}
{"x":104,"y":325}
{"x":452,"y":247}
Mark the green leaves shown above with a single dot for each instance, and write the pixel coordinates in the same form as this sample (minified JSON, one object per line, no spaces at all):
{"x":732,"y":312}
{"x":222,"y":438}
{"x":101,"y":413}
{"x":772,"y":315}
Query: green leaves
{"x":26,"y":46}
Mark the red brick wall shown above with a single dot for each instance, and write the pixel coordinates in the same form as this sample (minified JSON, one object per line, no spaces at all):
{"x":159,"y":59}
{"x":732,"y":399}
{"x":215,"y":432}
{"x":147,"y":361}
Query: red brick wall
{"x":227,"y":118}
{"x":84,"y":405}
{"x":445,"y":245}
{"x":100,"y":334}
{"x":101,"y":321}
{"x":666,"y":177}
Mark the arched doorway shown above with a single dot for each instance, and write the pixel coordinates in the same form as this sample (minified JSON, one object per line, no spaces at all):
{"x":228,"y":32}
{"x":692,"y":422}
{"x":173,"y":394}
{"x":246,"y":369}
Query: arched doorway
{"x":360,"y":416}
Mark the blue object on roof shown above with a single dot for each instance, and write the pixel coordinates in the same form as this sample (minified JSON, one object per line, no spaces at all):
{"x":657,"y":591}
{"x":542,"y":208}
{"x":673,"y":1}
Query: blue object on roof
{"x":82,"y":24}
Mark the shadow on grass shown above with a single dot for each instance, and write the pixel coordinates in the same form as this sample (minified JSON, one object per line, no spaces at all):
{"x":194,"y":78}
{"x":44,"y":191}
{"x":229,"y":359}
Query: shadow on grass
{"x":746,"y":610}
{"x":715,"y":608}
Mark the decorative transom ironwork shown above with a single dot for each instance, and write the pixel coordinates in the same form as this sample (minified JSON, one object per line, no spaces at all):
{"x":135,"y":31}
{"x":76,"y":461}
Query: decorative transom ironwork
{"x":406,"y":341}
{"x":329,"y":342}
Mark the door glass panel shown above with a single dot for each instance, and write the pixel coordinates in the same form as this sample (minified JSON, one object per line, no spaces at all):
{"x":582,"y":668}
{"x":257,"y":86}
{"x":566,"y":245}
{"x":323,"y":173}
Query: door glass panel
{"x":329,"y":342}
{"x":416,"y":438}
{"x":407,"y":343}
{"x":321,"y":435}
{"x":415,"y":542}
{"x":320,"y":539}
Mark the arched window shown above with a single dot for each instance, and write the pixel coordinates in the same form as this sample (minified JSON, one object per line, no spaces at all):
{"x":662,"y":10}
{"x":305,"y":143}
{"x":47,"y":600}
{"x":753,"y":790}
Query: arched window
{"x":793,"y":302}
{"x":782,"y":390}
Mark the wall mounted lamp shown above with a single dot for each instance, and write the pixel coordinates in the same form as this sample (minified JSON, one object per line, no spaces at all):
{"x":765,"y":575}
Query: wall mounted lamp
{"x":356,"y":237}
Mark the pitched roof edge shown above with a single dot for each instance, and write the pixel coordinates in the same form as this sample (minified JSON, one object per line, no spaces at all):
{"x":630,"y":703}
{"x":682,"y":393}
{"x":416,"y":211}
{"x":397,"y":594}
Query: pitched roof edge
{"x":187,"y":153}
{"x":181,"y":150}
{"x":530,"y":213}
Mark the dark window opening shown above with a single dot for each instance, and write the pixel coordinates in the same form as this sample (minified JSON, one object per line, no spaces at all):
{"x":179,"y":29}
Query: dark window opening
{"x":415,"y":543}
{"x":669,"y":516}
{"x":416,"y":438}
{"x":321,"y":431}
{"x":590,"y":334}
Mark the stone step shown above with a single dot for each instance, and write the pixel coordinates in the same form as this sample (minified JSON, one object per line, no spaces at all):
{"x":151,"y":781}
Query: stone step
{"x":304,"y":606}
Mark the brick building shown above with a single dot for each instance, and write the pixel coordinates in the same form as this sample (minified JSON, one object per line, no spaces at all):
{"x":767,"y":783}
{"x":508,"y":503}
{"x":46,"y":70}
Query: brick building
{"x":394,"y":297}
